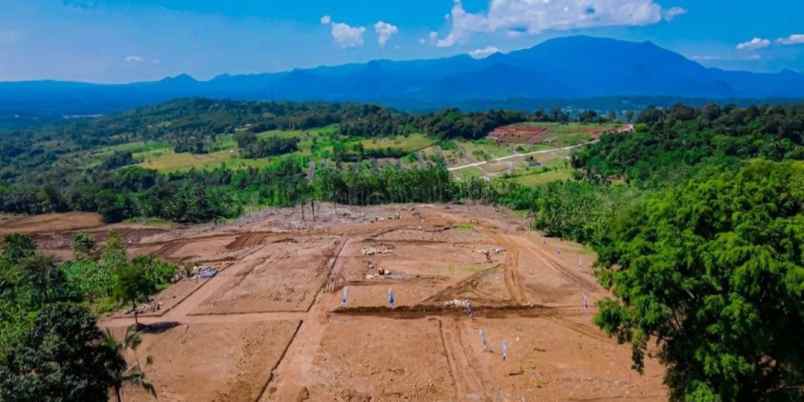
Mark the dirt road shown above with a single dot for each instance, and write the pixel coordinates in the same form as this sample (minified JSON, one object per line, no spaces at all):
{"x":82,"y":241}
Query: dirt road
{"x":517,"y":156}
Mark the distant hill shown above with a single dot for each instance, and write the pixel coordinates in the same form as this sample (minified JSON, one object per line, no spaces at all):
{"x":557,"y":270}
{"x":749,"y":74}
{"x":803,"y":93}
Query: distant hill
{"x":569,"y":68}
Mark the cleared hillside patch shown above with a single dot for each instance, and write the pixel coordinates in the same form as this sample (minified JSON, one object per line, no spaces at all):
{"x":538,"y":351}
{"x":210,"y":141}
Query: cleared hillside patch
{"x":554,"y":134}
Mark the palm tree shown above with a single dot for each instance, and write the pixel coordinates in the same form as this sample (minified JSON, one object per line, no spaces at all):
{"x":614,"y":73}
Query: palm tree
{"x":132,"y":375}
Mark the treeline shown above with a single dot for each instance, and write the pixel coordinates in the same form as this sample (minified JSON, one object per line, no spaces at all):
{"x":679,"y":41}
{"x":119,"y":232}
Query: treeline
{"x":669,"y":144}
{"x":452,"y":123}
{"x":125,"y":193}
{"x":200,"y":196}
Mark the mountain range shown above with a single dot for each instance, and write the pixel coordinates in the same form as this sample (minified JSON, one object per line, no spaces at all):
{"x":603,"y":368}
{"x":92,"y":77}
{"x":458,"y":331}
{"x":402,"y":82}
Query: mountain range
{"x":575,"y":67}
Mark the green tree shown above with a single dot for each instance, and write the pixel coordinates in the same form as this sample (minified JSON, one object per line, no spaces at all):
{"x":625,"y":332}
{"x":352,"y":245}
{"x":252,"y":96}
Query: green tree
{"x":28,"y":281}
{"x":45,"y":279}
{"x":114,"y":251}
{"x":63,"y":358}
{"x":18,"y":246}
{"x":133,"y":286}
{"x":712,"y":271}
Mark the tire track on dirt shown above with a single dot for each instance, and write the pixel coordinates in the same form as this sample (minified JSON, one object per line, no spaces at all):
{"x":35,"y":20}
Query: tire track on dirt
{"x":579,"y":328}
{"x":467,"y":384}
{"x":468,"y":285}
{"x":557,"y":266}
{"x":472,"y":362}
{"x":450,"y":361}
{"x":511,"y":275}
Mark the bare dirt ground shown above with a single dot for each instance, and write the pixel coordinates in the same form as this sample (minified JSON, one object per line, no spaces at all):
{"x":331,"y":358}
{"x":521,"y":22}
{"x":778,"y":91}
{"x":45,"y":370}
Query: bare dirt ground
{"x":518,"y":134}
{"x":276,"y":324}
{"x":50,"y":223}
{"x":212,"y":362}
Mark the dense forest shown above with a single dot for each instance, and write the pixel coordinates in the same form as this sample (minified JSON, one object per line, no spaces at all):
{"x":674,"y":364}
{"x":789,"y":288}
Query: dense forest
{"x":670,"y":143}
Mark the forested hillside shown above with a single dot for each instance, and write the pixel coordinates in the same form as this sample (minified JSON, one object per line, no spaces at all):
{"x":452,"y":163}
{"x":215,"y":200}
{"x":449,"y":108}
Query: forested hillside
{"x":89,"y":164}
{"x":696,"y":215}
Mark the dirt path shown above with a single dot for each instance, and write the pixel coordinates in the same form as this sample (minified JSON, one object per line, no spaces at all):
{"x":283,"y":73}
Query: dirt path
{"x":514,"y":156}
{"x":512,"y":282}
{"x":469,"y":384}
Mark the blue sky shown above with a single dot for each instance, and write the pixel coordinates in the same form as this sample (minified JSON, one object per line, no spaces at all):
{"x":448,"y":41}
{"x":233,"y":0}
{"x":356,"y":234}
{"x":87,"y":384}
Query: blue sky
{"x":134,"y":40}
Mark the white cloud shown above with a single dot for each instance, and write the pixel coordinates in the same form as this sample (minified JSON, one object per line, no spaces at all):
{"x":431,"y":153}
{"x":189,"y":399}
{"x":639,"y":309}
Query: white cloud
{"x":384,"y":32}
{"x":794,"y":39}
{"x":517,"y":17}
{"x":674,"y":12}
{"x":483,"y":52}
{"x":347,"y":36}
{"x":754,"y":44}
{"x":344,"y":35}
{"x":133,"y":59}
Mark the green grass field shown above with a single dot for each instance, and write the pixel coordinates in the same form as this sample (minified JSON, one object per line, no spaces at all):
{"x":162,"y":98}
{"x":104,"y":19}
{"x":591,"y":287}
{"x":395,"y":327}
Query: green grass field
{"x":407,"y":143}
{"x":161,"y":156}
{"x":166,"y":160}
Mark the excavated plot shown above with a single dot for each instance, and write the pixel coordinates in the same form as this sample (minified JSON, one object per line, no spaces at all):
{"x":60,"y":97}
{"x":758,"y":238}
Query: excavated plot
{"x":381,"y":359}
{"x":564,"y":357}
{"x":419,"y":271}
{"x":548,"y":277}
{"x":212,"y":362}
{"x":198,"y":249}
{"x":288,"y":277}
{"x":453,"y":234}
{"x":559,"y":354}
{"x":51,"y":223}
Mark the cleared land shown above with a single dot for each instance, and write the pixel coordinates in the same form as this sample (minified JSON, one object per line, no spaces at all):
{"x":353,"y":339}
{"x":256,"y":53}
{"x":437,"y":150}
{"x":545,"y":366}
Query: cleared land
{"x":554,"y":134}
{"x":454,"y":270}
{"x":531,"y":154}
{"x":211,"y":362}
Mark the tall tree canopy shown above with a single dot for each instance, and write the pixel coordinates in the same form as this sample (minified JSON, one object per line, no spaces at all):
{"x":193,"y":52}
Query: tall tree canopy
{"x":712,"y":271}
{"x":63,"y":358}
